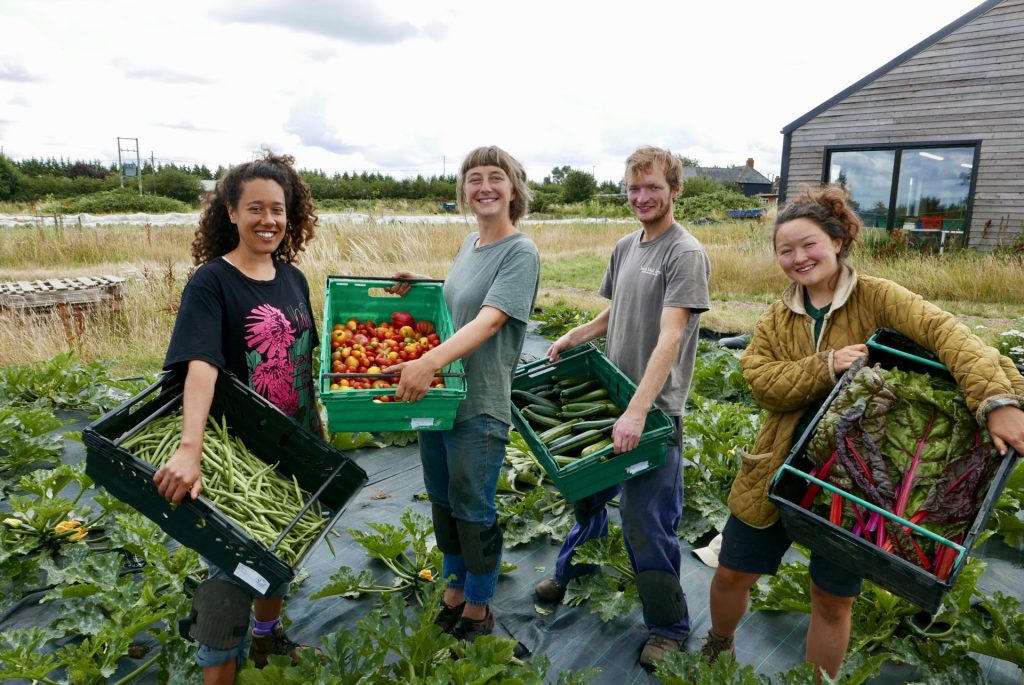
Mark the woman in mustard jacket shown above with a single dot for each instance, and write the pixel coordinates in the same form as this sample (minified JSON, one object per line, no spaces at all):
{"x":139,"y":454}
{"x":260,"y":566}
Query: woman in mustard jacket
{"x":800,"y":346}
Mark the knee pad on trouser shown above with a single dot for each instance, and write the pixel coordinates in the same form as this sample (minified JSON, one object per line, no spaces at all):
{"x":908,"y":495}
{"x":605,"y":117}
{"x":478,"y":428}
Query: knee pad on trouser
{"x":446,"y":530}
{"x":662,"y":597}
{"x":585,"y":510}
{"x":220,"y":615}
{"x":481,"y":546}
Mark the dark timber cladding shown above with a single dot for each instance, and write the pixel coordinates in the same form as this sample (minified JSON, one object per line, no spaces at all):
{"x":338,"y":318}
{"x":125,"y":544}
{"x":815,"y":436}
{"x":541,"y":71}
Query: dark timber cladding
{"x":965,"y":82}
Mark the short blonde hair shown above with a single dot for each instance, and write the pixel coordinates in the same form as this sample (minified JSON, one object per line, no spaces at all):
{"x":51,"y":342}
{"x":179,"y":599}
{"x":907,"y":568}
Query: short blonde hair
{"x":492,"y":155}
{"x":645,"y":158}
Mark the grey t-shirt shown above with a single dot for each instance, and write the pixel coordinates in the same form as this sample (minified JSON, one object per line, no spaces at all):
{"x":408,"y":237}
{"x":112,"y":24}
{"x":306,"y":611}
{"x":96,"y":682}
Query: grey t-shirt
{"x":504,"y":275}
{"x":642,"y":278}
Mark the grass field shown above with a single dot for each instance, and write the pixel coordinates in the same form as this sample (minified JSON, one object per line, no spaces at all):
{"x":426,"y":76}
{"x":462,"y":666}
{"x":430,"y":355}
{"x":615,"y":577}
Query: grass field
{"x":745,"y":277}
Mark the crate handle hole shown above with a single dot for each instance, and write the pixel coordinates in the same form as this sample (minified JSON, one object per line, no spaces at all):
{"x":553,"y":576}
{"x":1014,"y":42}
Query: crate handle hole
{"x":380,"y":292}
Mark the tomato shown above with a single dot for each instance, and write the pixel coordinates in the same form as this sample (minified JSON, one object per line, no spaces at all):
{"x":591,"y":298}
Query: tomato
{"x":335,"y":344}
{"x":392,"y":355}
{"x":351,"y":362}
{"x":352,"y":324}
{"x":403,"y":355}
{"x":399,"y":319}
{"x":335,"y":386}
{"x":338,"y":366}
{"x":424,"y":327}
{"x":373,"y":369}
{"x":381,"y":384}
{"x":406,"y":332}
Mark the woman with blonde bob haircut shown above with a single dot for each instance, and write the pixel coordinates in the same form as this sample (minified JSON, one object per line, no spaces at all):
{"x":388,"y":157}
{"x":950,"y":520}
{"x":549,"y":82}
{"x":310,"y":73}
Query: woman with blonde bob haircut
{"x":490,"y":289}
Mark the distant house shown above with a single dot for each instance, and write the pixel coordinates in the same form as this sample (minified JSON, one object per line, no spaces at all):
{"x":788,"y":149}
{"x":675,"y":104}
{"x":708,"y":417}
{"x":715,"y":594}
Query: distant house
{"x":751,"y":181}
{"x":933,"y":141}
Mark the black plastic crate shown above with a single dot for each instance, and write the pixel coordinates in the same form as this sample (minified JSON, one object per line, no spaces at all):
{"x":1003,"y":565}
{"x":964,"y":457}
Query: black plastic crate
{"x":332,"y":478}
{"x":899,"y":576}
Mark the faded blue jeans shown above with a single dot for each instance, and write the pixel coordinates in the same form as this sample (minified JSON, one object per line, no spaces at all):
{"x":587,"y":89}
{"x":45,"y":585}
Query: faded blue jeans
{"x":650,"y":506}
{"x":460,"y":470}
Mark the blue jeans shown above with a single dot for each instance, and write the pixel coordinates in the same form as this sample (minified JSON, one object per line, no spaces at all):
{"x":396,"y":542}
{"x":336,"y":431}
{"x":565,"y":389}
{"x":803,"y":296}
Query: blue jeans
{"x":208,"y":656}
{"x":650,"y":506}
{"x":460,"y":470}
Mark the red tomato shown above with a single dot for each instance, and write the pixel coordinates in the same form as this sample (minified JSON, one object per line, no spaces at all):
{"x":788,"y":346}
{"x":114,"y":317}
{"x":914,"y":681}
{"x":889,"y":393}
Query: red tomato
{"x":399,"y":319}
{"x":424,"y":327}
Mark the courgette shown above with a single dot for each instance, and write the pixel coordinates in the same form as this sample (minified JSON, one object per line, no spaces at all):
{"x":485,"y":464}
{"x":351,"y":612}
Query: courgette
{"x":559,"y":431}
{"x":584,"y":412}
{"x":544,"y":410}
{"x":591,"y":396}
{"x":596,"y":447}
{"x":579,"y":389}
{"x":523,"y":398}
{"x":564,"y":382}
{"x":540,"y":419}
{"x":575,"y":441}
{"x":594,"y":423}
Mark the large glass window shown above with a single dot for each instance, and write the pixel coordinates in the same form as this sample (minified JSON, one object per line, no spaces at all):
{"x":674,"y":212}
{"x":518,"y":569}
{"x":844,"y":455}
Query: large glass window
{"x":918,"y":188}
{"x":933,"y":188}
{"x":867,"y":174}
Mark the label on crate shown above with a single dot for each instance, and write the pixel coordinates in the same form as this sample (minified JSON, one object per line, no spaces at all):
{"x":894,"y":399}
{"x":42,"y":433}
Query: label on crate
{"x":637,"y":467}
{"x":421,"y":423}
{"x":253,"y":579}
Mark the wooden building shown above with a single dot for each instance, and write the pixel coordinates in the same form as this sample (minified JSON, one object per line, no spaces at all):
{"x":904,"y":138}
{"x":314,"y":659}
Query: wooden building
{"x":933,"y":141}
{"x":750,"y":181}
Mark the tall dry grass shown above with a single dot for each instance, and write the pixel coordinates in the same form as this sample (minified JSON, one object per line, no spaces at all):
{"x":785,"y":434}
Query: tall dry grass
{"x":744,"y":276}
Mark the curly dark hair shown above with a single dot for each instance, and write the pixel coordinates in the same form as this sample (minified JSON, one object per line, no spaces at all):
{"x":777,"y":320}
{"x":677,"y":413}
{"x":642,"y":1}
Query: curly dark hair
{"x":217,"y":235}
{"x":827,"y":206}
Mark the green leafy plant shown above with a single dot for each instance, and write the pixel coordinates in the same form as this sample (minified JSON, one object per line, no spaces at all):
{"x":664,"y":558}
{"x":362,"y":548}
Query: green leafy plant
{"x":28,"y":441}
{"x":610,"y":592}
{"x":559,"y":318}
{"x":64,"y":382}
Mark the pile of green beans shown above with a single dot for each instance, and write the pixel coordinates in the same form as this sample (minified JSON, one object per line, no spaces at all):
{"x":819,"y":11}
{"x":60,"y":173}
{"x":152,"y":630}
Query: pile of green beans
{"x":239,"y":484}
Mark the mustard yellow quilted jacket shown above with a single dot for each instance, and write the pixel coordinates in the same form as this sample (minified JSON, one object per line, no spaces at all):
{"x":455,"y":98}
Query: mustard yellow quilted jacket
{"x":789,"y":372}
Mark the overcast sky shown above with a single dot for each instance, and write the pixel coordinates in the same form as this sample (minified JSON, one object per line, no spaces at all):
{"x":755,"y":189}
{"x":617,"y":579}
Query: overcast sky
{"x":409,"y":86}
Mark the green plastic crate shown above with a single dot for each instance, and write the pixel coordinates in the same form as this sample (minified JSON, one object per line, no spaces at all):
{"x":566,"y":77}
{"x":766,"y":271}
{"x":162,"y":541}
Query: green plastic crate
{"x":604,"y":468}
{"x":354,"y":410}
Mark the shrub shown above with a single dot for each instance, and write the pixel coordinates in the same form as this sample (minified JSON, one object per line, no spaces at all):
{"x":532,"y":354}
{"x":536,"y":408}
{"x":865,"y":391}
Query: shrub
{"x":115,"y":202}
{"x":1011,"y":344}
{"x":174,"y":183}
{"x":715,"y":203}
{"x":8,"y":179}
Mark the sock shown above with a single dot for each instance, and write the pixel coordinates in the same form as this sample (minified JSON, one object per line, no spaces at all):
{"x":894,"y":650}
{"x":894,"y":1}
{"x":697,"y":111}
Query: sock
{"x":265,"y":627}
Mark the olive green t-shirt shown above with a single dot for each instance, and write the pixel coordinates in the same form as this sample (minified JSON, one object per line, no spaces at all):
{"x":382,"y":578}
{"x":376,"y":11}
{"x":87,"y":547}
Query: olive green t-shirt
{"x":504,"y":275}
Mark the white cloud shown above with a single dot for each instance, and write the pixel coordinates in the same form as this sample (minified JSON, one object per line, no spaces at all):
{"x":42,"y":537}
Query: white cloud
{"x":409,"y":87}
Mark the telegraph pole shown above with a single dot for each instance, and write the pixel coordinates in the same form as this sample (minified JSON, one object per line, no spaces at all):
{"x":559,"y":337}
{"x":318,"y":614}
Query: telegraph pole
{"x":129,"y":145}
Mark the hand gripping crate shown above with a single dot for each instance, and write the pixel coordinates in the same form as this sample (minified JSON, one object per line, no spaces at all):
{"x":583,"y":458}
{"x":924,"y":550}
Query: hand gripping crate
{"x":332,"y":478}
{"x":909,"y":581}
{"x":363,"y":298}
{"x":604,"y":468}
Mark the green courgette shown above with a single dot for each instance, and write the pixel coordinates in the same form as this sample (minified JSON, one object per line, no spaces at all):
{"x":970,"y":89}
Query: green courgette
{"x":579,"y":389}
{"x":591,"y":396}
{"x":540,"y":419}
{"x":596,"y":447}
{"x":559,"y":431}
{"x":576,"y":441}
{"x":594,"y":423}
{"x":523,"y":398}
{"x":544,"y":410}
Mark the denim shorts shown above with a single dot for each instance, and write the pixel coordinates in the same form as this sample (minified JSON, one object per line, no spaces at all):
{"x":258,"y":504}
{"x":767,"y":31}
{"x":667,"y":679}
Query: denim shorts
{"x":207,"y":656}
{"x":759,"y":550}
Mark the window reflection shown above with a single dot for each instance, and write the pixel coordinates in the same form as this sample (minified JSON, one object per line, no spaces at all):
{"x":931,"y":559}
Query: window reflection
{"x":867,"y":174}
{"x":934,"y":185}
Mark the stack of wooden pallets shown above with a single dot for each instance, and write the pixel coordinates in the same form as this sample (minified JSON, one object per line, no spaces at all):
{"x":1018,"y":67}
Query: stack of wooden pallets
{"x":54,"y":292}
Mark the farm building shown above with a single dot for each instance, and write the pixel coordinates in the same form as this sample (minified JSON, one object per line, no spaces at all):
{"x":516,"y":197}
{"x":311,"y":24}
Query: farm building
{"x":750,"y":180}
{"x":933,"y":141}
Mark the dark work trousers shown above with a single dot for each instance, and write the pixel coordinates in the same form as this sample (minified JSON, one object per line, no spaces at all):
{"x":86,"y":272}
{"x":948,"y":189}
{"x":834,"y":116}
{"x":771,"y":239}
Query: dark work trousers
{"x":650,"y":506}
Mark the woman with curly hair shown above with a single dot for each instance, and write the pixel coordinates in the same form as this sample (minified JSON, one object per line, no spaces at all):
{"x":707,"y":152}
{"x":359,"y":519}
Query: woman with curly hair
{"x":245,"y":311}
{"x":801,"y":345}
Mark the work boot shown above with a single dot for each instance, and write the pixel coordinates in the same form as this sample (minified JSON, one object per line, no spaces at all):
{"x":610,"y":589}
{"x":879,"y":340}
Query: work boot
{"x":275,"y":642}
{"x":714,"y":645}
{"x":448,"y":616}
{"x":657,"y":648}
{"x":550,"y":590}
{"x":469,"y":630}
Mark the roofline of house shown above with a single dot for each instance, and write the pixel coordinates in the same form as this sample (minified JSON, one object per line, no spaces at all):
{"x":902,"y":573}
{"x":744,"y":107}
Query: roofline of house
{"x":927,"y":42}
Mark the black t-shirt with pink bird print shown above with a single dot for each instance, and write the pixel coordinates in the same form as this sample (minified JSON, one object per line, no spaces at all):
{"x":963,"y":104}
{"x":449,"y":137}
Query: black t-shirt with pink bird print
{"x":263,"y":332}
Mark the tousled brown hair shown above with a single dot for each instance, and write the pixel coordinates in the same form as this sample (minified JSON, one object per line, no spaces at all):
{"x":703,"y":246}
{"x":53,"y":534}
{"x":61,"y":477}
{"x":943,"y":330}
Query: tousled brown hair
{"x":828,"y":207}
{"x":217,"y":235}
{"x":645,"y":158}
{"x":491,"y":155}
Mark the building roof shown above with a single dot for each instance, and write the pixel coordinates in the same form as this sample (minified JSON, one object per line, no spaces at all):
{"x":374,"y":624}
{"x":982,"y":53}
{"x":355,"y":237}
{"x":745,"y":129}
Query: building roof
{"x":886,"y":68}
{"x":732,"y":174}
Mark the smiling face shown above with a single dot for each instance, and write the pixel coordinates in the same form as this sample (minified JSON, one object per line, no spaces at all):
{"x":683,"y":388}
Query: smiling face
{"x":261,"y":217}
{"x":488,"y":191}
{"x":807,"y":255}
{"x":651,"y":197}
